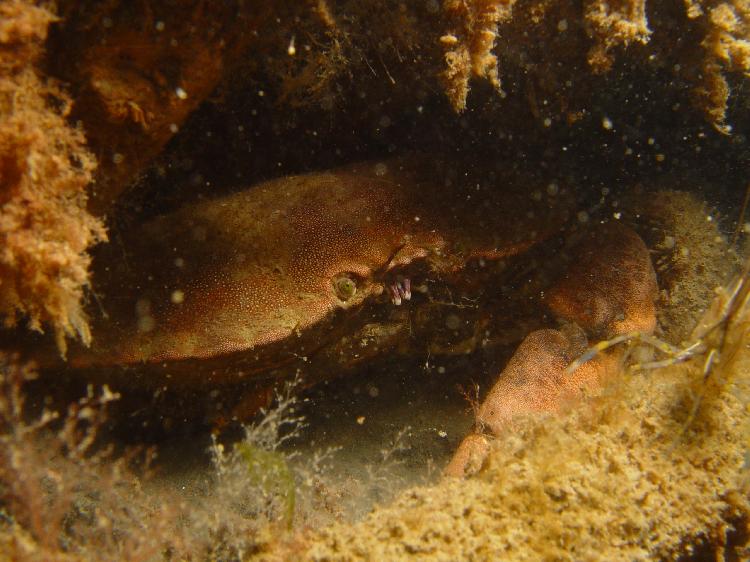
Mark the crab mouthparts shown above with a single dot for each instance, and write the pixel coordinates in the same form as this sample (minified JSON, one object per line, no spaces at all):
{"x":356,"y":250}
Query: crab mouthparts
{"x":400,"y":290}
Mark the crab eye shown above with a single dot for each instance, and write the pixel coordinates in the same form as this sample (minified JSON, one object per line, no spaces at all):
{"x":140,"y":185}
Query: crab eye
{"x":345,"y":288}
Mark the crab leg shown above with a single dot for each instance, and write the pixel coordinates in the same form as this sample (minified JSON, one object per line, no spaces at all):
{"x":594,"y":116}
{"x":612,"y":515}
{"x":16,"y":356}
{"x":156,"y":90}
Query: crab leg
{"x":400,"y":290}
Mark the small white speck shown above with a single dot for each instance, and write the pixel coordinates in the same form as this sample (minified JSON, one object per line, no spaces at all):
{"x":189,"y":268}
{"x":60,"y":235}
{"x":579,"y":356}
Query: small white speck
{"x":360,"y":420}
{"x":547,"y":122}
{"x":291,"y":50}
{"x":173,"y":128}
{"x":177,"y":297}
{"x":562,"y":25}
{"x":607,"y":123}
{"x":180,"y":93}
{"x":416,"y":219}
{"x":442,"y":433}
{"x":617,"y":215}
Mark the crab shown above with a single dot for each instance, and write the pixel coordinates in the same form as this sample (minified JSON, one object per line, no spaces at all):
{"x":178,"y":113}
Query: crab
{"x":318,"y":274}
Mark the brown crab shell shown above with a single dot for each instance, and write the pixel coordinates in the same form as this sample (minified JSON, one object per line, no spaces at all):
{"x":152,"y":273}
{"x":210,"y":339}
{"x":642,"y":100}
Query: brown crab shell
{"x":251,"y":279}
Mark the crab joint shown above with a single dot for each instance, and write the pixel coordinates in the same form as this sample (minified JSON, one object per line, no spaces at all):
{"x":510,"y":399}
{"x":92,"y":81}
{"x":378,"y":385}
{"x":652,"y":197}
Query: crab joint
{"x":400,"y":290}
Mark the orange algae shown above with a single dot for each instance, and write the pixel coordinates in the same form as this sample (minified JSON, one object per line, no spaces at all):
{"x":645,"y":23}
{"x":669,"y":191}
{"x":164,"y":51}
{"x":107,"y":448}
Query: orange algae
{"x":470,"y":45}
{"x":45,"y":168}
{"x":727,"y":49}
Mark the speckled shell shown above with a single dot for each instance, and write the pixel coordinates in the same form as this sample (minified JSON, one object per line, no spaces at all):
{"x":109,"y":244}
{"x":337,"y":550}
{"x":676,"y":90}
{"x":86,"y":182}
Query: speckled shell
{"x":236,"y":274}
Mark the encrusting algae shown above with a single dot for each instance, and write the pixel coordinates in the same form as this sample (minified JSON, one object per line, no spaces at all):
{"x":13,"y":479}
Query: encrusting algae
{"x":470,"y":46}
{"x":727,"y":50}
{"x":45,"y":169}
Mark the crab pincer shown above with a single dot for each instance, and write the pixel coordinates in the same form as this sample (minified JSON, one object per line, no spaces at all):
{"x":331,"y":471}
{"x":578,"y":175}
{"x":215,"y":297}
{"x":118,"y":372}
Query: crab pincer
{"x":609,"y":289}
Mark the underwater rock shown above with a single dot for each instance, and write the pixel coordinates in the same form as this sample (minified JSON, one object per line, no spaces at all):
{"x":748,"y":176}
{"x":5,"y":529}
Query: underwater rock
{"x":138,"y":71}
